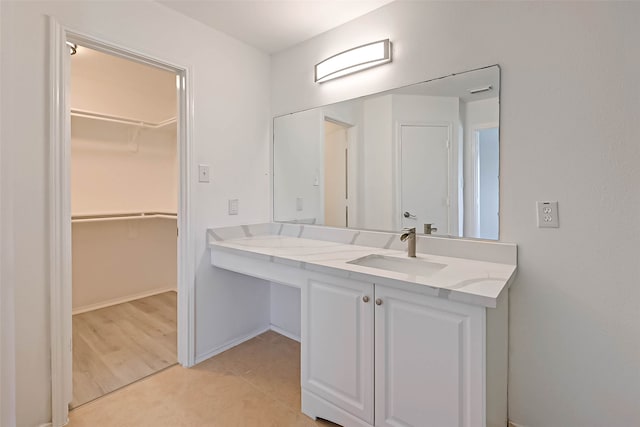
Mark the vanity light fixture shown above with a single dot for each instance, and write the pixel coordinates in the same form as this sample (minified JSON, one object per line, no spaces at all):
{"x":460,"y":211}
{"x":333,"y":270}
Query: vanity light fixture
{"x":73,"y":48}
{"x":480,"y":90}
{"x":353,"y":60}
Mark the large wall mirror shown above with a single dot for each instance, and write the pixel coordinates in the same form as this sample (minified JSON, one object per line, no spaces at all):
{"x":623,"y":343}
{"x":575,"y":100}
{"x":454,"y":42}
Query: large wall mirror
{"x":417,"y":155}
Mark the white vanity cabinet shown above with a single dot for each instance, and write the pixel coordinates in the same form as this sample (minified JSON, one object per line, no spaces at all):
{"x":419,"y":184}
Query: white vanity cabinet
{"x":390,"y":357}
{"x":337,"y":344}
{"x":428,"y":361}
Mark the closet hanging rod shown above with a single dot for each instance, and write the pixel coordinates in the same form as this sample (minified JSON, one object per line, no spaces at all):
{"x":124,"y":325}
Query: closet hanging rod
{"x":121,"y":120}
{"x":120,"y":217}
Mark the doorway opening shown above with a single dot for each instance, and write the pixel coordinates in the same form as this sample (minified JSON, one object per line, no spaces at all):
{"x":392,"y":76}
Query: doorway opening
{"x":486,"y":181}
{"x":336,"y":173}
{"x":124,"y":204}
{"x":60,"y":199}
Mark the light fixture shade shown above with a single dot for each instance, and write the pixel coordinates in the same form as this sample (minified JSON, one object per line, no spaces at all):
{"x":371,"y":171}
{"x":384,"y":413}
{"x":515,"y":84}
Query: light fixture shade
{"x":354,"y":60}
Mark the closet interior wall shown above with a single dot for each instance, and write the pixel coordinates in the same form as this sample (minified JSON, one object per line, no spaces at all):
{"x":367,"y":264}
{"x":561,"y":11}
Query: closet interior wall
{"x":122,"y":166}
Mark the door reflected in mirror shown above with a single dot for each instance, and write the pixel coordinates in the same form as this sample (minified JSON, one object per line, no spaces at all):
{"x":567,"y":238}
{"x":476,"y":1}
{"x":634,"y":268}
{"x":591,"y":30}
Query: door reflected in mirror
{"x":423,"y":156}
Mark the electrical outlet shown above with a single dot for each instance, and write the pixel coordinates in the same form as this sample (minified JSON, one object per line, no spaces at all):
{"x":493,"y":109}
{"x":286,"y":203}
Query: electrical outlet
{"x":203,"y":173}
{"x":547,"y":214}
{"x":299,"y":203}
{"x":233,"y":207}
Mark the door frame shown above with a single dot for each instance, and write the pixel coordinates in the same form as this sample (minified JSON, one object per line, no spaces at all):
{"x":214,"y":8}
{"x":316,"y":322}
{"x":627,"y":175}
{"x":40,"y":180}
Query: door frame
{"x":59,"y":193}
{"x":397,"y":170}
{"x":475,"y":170}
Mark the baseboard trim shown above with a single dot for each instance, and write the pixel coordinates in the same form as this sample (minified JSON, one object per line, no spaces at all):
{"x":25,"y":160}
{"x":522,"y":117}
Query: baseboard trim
{"x":46,"y":425}
{"x":287,"y":334}
{"x":512,"y":424}
{"x":116,"y":301}
{"x":229,"y":344}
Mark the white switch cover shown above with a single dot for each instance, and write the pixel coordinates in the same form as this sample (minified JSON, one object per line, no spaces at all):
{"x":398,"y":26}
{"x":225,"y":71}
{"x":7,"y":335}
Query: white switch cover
{"x":203,"y":173}
{"x":299,"y":203}
{"x":547,"y":214}
{"x":233,"y":207}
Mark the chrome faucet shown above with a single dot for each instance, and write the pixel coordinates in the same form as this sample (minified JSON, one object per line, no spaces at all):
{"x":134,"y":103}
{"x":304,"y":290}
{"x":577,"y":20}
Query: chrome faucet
{"x":410,"y":236}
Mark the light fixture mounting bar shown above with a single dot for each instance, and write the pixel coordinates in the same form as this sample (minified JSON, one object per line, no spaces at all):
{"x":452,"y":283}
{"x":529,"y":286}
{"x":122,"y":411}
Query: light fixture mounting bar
{"x":353,"y":60}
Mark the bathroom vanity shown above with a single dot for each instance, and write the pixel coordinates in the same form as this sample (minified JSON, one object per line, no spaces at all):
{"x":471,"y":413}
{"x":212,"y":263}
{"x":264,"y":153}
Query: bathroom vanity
{"x":387,"y":340}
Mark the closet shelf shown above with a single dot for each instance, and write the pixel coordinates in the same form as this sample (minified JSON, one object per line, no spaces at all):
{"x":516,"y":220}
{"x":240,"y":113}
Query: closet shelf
{"x":120,"y":217}
{"x":122,"y":120}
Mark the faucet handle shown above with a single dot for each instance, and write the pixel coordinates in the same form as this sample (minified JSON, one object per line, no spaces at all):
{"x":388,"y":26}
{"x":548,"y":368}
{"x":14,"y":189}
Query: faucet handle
{"x":409,"y":229}
{"x":429,"y":228}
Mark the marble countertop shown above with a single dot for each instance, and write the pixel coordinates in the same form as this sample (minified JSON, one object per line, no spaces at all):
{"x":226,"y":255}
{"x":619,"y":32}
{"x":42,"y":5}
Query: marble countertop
{"x":464,"y":280}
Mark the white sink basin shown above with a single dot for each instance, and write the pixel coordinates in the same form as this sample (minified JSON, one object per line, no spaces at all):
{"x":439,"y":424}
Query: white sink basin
{"x":414,"y":266}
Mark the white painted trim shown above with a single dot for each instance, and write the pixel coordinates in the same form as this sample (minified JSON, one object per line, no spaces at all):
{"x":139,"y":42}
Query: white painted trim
{"x":7,"y":299}
{"x":60,"y":215}
{"x":59,"y":225}
{"x":45,"y":425}
{"x":230,"y":344}
{"x":120,"y":300}
{"x":282,"y":332}
{"x":186,"y":257}
{"x":397,"y":176}
{"x":512,"y":424}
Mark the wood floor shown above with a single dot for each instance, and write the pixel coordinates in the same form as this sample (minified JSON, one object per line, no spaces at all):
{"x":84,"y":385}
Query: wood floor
{"x":121,"y":344}
{"x":256,"y":384}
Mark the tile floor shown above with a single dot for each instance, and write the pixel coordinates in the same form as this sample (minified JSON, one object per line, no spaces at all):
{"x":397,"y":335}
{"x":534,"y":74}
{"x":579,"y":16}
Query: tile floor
{"x":256,"y":384}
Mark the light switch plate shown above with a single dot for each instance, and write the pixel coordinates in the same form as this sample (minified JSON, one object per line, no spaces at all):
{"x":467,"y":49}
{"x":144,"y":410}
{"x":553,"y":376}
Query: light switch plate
{"x":203,"y":173}
{"x":547,"y":214}
{"x":299,"y":203}
{"x":233,"y":207}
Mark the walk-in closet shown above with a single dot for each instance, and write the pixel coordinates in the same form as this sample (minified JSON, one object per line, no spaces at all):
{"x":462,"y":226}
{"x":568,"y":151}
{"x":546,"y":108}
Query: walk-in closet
{"x":124,"y":197}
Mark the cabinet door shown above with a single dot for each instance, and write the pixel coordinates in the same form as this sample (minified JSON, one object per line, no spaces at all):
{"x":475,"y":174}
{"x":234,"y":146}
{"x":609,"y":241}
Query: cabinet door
{"x":429,"y":361}
{"x":337,"y":343}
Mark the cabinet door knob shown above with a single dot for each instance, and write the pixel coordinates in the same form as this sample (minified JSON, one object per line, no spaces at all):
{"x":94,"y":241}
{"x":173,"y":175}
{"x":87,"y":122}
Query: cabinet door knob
{"x":378,"y":301}
{"x":365,"y":298}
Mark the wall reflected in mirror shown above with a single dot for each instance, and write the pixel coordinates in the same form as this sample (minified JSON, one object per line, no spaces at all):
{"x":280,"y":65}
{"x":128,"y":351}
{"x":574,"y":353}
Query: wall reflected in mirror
{"x":417,"y":156}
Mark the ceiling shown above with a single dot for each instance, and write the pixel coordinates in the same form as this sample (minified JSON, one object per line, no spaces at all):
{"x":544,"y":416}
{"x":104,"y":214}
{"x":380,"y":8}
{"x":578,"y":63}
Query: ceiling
{"x":273,"y":25}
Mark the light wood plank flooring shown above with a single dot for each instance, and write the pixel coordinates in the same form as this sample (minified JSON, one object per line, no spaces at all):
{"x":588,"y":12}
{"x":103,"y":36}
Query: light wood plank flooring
{"x":256,"y":384}
{"x":118,"y":345}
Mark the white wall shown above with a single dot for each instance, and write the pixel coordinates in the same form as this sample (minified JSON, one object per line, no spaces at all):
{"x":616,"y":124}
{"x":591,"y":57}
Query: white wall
{"x":117,"y":261}
{"x":285,"y":310}
{"x":231,"y":134}
{"x":111,"y":85}
{"x":377,"y":154}
{"x":299,"y":153}
{"x":569,"y":128}
{"x":113,"y":173}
